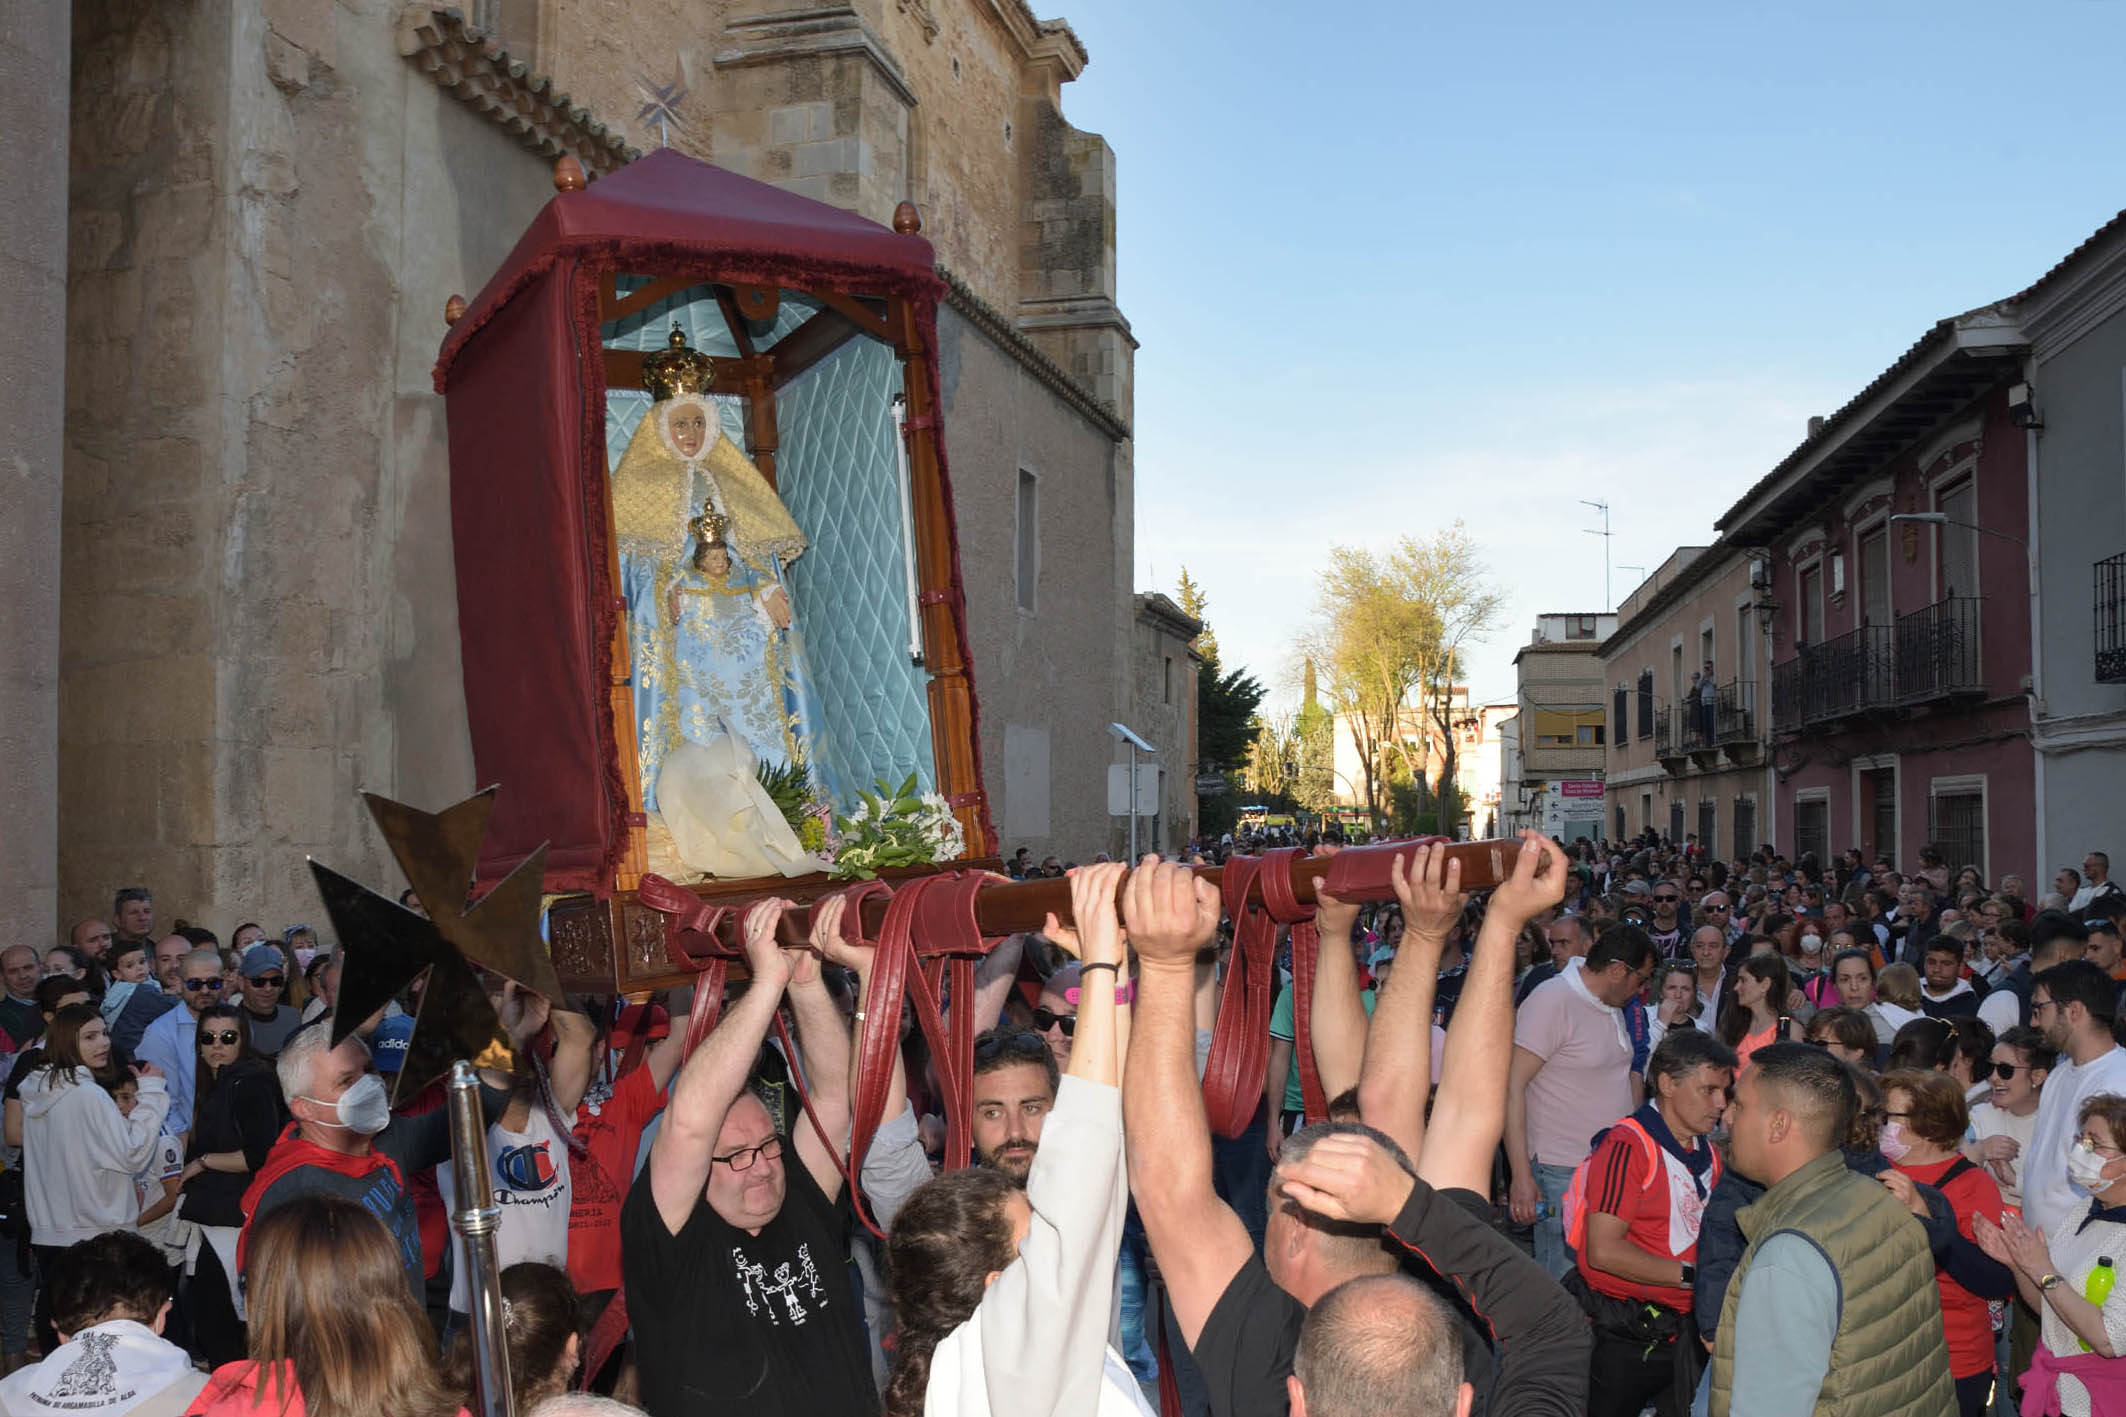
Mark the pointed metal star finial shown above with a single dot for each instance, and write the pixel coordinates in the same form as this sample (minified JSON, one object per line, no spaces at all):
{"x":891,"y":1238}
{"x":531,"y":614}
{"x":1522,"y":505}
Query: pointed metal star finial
{"x":439,"y":851}
{"x":384,"y":948}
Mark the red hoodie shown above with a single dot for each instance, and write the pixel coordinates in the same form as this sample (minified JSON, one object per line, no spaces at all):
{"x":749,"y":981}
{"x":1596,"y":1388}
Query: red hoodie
{"x":333,"y":1172}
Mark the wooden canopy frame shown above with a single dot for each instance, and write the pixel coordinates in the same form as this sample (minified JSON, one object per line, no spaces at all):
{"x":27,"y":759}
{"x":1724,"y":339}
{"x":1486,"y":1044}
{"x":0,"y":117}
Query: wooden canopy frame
{"x":533,"y":340}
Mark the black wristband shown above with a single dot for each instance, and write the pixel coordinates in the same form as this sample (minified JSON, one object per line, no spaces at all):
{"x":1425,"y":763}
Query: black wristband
{"x":1085,"y":969}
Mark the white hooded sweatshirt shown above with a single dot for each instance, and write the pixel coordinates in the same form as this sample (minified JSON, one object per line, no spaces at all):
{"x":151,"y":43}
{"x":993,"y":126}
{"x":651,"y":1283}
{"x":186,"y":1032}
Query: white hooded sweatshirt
{"x":115,"y":1369}
{"x":80,"y":1153}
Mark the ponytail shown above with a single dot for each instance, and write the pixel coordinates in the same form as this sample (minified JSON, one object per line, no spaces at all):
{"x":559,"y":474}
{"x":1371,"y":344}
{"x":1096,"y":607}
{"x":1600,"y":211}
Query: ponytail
{"x":947,"y":1240}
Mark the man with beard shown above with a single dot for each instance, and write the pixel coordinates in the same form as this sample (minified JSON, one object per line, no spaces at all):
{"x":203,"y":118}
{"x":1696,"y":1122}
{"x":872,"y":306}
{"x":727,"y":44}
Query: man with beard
{"x":1015,"y":1078}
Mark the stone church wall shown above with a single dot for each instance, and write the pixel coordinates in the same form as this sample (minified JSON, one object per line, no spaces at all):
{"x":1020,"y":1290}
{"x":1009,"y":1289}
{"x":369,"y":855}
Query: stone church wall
{"x":268,"y":208}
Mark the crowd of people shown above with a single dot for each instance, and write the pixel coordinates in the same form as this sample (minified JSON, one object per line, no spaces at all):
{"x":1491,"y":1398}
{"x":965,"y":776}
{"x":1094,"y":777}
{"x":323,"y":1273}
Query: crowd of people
{"x":1635,"y":1130}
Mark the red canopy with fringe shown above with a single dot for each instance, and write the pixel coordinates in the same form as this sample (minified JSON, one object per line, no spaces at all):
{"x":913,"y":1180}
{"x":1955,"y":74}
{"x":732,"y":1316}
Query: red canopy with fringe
{"x":522,"y":374}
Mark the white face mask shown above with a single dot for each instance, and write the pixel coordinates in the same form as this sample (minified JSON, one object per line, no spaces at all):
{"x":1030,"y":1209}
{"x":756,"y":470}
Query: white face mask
{"x":363,"y":1109}
{"x":2085,"y":1168}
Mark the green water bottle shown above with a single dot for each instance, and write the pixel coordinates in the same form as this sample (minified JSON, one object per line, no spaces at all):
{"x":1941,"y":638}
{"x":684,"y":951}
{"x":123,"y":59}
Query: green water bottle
{"x":2097,"y":1287}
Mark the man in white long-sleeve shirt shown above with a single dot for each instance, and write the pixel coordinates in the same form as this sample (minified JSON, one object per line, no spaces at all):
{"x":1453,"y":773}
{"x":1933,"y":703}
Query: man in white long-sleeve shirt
{"x":2072,"y":1005}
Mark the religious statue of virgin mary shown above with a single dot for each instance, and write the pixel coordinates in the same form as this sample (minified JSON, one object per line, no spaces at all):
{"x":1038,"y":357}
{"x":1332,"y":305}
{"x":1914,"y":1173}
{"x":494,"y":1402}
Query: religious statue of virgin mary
{"x":719,"y":670}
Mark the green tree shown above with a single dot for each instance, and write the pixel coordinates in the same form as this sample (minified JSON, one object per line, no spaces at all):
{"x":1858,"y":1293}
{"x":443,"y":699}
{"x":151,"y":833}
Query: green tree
{"x":1226,"y":726}
{"x":1388,"y":637}
{"x":1314,"y":730}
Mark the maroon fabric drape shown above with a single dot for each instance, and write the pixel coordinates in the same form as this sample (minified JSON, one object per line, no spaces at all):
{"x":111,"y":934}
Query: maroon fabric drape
{"x":523,"y":378}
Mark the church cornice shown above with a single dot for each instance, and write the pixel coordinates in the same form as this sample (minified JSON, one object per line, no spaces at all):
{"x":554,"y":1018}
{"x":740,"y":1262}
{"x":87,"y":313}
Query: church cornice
{"x":466,"y":61}
{"x":991,"y":322}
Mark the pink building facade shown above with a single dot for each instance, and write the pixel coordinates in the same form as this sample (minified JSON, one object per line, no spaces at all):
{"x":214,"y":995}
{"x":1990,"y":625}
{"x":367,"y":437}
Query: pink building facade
{"x":1900,"y":649}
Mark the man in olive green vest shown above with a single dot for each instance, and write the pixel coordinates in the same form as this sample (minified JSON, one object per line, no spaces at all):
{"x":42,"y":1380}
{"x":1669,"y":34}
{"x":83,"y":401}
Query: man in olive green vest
{"x":1833,"y":1309}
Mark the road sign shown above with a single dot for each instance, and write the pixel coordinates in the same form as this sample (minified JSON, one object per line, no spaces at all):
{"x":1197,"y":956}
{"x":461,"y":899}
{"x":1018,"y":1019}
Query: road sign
{"x":1213,"y":784}
{"x":1118,"y":790}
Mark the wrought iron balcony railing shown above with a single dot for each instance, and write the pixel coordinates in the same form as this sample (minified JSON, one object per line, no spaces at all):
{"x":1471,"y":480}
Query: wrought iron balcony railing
{"x":1932,"y":653}
{"x":1937,"y":651}
{"x":1849,"y":674}
{"x":2111,"y":620}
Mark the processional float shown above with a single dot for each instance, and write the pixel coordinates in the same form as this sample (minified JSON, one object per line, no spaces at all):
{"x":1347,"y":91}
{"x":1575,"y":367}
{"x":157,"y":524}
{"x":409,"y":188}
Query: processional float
{"x":706,"y":562}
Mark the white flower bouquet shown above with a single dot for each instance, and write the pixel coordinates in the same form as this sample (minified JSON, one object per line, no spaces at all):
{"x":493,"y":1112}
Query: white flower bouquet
{"x":889,"y":828}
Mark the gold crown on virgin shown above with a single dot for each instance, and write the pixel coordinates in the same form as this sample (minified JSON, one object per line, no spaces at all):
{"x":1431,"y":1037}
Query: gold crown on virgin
{"x":676,"y":370}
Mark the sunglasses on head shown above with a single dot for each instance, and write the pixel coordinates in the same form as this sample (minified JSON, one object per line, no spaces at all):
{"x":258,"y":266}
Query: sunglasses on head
{"x":1044,"y":1020}
{"x":227,"y":1037}
{"x":198,"y":984}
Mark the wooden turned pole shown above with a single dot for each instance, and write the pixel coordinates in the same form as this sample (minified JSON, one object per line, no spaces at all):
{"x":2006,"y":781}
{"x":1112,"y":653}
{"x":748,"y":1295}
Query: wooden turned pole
{"x":568,"y":174}
{"x":453,"y":309}
{"x":1010,"y":907}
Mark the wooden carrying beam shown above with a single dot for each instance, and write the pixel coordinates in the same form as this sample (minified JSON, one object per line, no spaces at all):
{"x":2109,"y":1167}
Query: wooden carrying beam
{"x":1010,"y":907}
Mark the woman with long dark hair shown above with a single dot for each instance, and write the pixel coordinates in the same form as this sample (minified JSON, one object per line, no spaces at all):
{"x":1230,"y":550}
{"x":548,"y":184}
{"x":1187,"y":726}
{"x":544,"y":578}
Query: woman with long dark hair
{"x":80,"y":1153}
{"x":1753,"y":1007}
{"x":237,"y":1115}
{"x":1000,"y":1289}
{"x":334,"y":1330}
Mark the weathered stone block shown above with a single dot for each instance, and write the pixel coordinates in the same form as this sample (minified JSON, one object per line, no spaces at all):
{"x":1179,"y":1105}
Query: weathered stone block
{"x":300,"y":788}
{"x":835,"y":155}
{"x":287,"y":64}
{"x":306,"y":24}
{"x":788,"y":125}
{"x":93,"y":238}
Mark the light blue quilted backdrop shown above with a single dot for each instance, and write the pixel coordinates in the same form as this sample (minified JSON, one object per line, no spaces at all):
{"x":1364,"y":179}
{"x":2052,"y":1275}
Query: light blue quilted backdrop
{"x":841,"y":480}
{"x":839,"y":476}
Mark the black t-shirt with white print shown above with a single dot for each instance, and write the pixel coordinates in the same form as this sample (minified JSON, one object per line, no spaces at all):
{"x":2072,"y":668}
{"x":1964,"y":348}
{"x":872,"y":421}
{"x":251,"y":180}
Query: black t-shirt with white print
{"x":727,"y":1322}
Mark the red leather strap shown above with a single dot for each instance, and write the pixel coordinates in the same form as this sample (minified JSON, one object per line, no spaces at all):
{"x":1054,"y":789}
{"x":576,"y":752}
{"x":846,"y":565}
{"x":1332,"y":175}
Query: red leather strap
{"x":1284,"y":907}
{"x":1240,"y":1041}
{"x":604,"y":1337}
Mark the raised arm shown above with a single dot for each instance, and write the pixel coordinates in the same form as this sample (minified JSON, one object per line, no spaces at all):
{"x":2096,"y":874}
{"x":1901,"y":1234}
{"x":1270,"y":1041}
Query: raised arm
{"x":1198,"y":1241}
{"x":1336,"y":1024}
{"x":711,"y":1080}
{"x":993,"y":979}
{"x":570,"y":1073}
{"x":1045,"y":1319}
{"x":1396,"y":1079}
{"x":894,"y":1165}
{"x":823,"y":1039}
{"x":1542,"y":1337}
{"x":664,"y":1056}
{"x":1475,"y":1075}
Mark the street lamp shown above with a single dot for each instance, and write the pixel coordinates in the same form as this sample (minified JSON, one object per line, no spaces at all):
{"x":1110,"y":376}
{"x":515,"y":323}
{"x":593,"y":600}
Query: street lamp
{"x":1943,"y":519}
{"x":1136,"y":744}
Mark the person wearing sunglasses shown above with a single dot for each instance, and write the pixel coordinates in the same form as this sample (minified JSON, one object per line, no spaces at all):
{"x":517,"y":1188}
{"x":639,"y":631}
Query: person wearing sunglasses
{"x":236,"y":1117}
{"x":1055,"y":1017}
{"x":170,"y":1041}
{"x":2002,"y":1123}
{"x":1666,"y":929}
{"x":262,"y":982}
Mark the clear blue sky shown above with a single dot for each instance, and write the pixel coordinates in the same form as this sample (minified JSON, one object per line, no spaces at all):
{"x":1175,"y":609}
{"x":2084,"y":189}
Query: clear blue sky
{"x":1394,"y":265}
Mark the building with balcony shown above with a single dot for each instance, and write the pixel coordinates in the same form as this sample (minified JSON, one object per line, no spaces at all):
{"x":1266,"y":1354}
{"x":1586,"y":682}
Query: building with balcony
{"x":1561,"y":723}
{"x":1900,"y":648}
{"x":1681,"y":761}
{"x":2075,"y":317}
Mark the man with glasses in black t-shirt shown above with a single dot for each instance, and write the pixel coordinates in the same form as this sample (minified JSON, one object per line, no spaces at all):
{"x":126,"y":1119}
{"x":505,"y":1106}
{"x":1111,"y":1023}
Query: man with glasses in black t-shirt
{"x":733,"y":1243}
